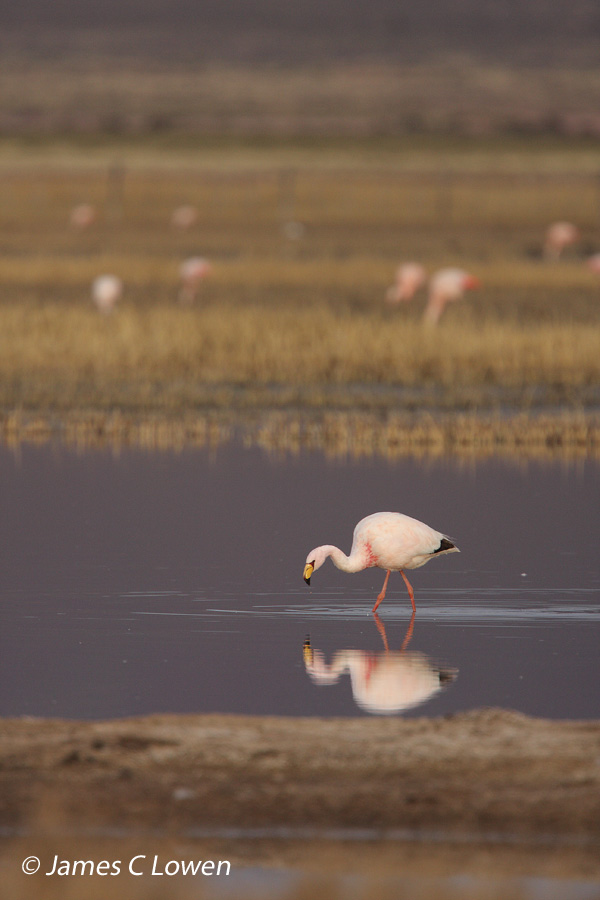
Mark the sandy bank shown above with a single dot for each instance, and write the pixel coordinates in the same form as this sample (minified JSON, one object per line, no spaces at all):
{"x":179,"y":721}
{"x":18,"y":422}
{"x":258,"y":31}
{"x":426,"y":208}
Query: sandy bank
{"x":476,"y":773}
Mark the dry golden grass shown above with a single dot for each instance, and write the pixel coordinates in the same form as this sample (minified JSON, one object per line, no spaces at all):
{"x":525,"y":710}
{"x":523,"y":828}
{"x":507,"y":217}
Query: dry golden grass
{"x":76,"y":348}
{"x":303,"y":317}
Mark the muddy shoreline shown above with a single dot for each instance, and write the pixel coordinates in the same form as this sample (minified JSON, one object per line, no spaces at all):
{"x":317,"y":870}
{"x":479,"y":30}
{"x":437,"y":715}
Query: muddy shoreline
{"x":483,"y":773}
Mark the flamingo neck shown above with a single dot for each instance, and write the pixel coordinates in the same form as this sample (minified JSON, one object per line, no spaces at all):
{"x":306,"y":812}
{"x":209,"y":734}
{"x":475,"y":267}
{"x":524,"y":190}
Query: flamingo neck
{"x":352,"y":563}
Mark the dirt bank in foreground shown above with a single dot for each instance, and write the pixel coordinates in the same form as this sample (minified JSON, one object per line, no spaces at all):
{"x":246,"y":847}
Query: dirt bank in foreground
{"x":486,"y":771}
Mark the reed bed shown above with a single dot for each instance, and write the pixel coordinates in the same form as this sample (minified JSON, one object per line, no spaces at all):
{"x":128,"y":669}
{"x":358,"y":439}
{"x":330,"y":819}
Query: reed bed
{"x":78,"y":351}
{"x":296,"y":322}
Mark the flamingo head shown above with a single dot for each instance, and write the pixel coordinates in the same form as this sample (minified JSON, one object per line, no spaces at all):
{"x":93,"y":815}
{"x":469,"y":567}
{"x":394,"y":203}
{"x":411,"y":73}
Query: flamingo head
{"x":471,"y":283}
{"x":314,"y":561}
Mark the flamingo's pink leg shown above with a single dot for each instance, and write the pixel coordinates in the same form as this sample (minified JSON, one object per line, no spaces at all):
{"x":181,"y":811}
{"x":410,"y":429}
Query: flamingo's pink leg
{"x":410,"y":590}
{"x":383,"y":590}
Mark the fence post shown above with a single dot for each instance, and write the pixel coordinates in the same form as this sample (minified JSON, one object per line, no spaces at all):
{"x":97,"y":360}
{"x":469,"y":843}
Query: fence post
{"x":115,"y":191}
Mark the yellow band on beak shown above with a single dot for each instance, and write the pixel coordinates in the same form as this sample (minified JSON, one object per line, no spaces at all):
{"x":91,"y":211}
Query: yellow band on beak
{"x":308,"y":570}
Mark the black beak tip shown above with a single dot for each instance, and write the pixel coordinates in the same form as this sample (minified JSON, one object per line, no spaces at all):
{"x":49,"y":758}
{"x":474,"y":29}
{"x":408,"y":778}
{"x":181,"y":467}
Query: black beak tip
{"x":307,"y":581}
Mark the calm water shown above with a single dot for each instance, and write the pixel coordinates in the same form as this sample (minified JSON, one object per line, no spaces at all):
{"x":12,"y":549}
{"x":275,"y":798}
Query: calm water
{"x":172,"y":582}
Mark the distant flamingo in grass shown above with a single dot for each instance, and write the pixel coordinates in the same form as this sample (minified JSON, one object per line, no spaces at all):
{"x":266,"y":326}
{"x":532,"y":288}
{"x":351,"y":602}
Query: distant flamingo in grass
{"x":559,"y":235}
{"x":408,"y":280}
{"x":447,"y":286}
{"x":192,"y":273}
{"x":184,"y":217}
{"x":106,"y":292}
{"x":82,"y":216}
{"x":593,"y":263}
{"x":388,"y":540}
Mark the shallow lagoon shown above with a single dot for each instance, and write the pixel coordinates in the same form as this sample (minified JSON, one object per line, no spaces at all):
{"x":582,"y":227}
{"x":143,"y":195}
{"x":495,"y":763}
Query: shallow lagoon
{"x":144,"y":582}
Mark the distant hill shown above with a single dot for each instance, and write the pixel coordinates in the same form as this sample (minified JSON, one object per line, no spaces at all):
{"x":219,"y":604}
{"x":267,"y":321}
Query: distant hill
{"x":527,"y":32}
{"x":354,"y":67}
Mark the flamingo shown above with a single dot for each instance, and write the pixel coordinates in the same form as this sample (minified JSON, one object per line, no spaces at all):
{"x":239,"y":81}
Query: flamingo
{"x":82,"y":216}
{"x":558,"y":236}
{"x":184,"y":216}
{"x":408,"y":280}
{"x":389,"y":540}
{"x":294,"y":231}
{"x":593,"y":263}
{"x":382,"y":683}
{"x":106,"y":291}
{"x":192,"y":273}
{"x":447,"y":286}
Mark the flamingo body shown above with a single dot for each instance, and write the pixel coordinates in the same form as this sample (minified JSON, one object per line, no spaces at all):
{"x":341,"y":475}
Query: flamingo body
{"x":388,"y":540}
{"x":106,"y":291}
{"x":408,"y":280}
{"x":558,"y":236}
{"x":184,"y":216}
{"x":83,"y":215}
{"x":593,"y":263}
{"x":192,"y":273}
{"x":447,"y":286}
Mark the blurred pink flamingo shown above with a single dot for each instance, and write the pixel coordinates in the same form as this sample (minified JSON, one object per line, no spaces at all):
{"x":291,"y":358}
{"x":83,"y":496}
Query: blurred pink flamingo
{"x":447,"y":286}
{"x":558,"y":236}
{"x":408,"y":280}
{"x":192,"y":273}
{"x":106,"y":292}
{"x":82,"y":216}
{"x":184,"y":217}
{"x":593,"y":263}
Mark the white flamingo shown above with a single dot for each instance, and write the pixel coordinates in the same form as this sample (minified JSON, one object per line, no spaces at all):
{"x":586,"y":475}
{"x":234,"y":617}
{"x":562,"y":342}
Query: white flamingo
{"x":184,"y":216}
{"x":107,"y":290}
{"x":447,"y":286}
{"x":409,"y":278}
{"x":558,"y":236}
{"x":82,"y":216}
{"x":389,"y":540}
{"x":192,"y":273}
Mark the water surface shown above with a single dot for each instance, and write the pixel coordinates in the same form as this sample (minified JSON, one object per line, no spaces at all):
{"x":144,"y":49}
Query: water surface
{"x":172,"y":582}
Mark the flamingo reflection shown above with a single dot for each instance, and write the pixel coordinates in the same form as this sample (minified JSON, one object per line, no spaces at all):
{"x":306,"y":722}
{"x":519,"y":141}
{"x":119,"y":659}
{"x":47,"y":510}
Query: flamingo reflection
{"x":382,"y":683}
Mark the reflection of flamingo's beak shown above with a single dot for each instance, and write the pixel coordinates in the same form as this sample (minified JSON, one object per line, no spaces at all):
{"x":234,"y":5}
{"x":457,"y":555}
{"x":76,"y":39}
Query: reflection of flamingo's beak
{"x":307,"y":652}
{"x":471,"y":283}
{"x":308,"y":570}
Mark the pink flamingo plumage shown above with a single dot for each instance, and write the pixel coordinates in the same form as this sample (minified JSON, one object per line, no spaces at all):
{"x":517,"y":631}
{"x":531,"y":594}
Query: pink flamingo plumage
{"x":409,"y":278}
{"x":107,"y":290}
{"x":558,"y":236}
{"x":388,"y":540}
{"x":192,"y":273}
{"x":447,"y":286}
{"x":82,"y":216}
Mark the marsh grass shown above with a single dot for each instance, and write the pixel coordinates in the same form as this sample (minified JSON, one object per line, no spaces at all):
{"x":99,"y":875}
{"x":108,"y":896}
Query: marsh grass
{"x":303,"y":316}
{"x":261,"y":345}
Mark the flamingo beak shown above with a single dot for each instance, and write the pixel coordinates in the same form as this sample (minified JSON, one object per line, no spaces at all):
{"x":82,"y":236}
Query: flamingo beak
{"x":308,"y":570}
{"x":472,"y":283}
